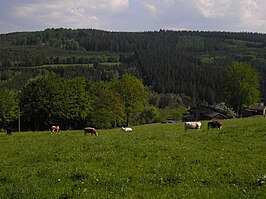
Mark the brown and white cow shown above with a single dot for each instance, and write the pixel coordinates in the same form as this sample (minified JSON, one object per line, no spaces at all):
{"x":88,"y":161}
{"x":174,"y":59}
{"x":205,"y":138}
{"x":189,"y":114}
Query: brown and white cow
{"x":90,"y":130}
{"x":215,"y":124}
{"x":55,"y":129}
{"x":192,"y":125}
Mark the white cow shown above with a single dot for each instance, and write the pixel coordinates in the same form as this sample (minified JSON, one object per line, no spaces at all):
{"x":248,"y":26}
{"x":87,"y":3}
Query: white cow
{"x":192,"y":125}
{"x":127,"y":129}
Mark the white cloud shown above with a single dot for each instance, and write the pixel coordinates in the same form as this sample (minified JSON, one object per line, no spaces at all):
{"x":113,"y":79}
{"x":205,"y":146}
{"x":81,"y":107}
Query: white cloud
{"x":253,"y":13}
{"x":150,"y":7}
{"x":106,"y":5}
{"x":118,"y":4}
{"x":243,"y":15}
{"x":168,"y":2}
{"x":214,"y":8}
{"x":70,"y":13}
{"x":156,"y":8}
{"x":233,"y":15}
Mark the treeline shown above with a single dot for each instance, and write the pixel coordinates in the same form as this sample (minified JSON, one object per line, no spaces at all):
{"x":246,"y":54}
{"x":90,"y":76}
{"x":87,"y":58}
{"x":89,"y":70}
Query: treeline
{"x":74,"y":103}
{"x":186,"y":63}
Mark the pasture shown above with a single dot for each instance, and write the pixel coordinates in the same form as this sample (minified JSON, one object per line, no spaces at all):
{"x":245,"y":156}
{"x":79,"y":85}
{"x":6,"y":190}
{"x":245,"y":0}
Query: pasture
{"x":153,"y":161}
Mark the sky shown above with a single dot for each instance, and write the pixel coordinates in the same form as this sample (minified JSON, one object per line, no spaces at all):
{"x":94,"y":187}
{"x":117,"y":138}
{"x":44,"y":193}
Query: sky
{"x":134,"y":15}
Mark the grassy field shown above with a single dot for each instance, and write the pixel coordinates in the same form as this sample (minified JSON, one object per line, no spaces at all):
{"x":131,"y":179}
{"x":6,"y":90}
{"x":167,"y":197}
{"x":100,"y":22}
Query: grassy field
{"x":153,"y":161}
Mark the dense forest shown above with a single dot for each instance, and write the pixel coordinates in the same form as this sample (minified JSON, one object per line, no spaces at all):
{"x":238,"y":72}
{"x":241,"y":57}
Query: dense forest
{"x":187,"y":63}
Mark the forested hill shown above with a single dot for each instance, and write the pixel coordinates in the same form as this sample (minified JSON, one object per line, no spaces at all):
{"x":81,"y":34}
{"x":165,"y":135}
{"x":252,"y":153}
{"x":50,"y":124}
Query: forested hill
{"x":182,"y":62}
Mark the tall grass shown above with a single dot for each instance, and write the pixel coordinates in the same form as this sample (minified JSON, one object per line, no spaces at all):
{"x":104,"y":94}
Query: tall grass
{"x":153,"y":161}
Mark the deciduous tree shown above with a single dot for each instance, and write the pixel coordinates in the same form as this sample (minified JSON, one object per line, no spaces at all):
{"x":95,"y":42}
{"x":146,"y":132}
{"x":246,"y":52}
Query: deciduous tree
{"x":108,"y":108}
{"x":51,"y":99}
{"x":241,"y":86}
{"x":133,"y":94}
{"x":8,"y":107}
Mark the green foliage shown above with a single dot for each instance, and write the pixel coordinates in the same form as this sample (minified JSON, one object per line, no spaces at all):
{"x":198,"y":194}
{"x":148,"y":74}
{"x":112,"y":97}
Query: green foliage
{"x":175,"y":113}
{"x":154,"y":161}
{"x":108,"y":108}
{"x":207,"y":59}
{"x":9,"y":109}
{"x":133,"y":94}
{"x":222,"y":108}
{"x":72,"y":102}
{"x":37,"y":101}
{"x":241,"y":86}
{"x":190,"y":43}
{"x":150,"y":114}
{"x":170,"y":100}
{"x":189,"y":62}
{"x":53,"y":100}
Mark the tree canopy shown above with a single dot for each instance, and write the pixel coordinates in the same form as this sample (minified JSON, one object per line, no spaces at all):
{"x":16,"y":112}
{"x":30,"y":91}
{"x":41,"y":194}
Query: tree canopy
{"x":188,"y":63}
{"x":53,"y":100}
{"x":180,"y":68}
{"x":133,"y":94}
{"x":8,"y":107}
{"x":108,"y":107}
{"x":75,"y":103}
{"x":241,"y":86}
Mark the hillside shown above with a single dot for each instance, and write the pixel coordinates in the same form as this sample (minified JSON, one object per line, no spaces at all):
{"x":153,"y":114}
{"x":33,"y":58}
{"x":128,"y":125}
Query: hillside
{"x":190,"y":63}
{"x":153,"y":161}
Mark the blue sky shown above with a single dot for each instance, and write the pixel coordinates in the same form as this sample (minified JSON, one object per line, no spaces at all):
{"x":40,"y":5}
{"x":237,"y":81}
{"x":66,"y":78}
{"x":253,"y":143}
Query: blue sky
{"x":134,"y":15}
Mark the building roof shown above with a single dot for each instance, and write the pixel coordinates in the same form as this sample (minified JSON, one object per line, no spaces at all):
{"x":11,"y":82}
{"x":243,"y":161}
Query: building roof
{"x":205,"y":112}
{"x":259,"y":108}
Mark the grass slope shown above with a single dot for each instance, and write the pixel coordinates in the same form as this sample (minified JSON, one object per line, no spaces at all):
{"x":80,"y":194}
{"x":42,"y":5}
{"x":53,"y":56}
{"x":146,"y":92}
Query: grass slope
{"x":153,"y":161}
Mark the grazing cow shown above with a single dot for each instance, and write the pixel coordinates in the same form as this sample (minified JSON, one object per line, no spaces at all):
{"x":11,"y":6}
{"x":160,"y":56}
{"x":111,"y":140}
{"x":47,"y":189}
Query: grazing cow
{"x":192,"y":125}
{"x":127,"y":129}
{"x":215,"y":124}
{"x":55,"y":129}
{"x":90,"y":130}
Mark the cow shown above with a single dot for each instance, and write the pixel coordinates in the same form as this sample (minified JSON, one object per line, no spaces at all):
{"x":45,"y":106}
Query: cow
{"x":90,"y":130}
{"x":215,"y":124}
{"x":127,"y":129}
{"x":192,"y":125}
{"x":55,"y":129}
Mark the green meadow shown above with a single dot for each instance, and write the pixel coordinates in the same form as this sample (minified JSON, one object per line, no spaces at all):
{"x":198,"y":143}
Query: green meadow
{"x":153,"y":161}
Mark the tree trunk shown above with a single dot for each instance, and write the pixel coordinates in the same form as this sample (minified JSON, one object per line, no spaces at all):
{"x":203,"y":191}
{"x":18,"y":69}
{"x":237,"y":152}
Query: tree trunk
{"x":128,"y":119}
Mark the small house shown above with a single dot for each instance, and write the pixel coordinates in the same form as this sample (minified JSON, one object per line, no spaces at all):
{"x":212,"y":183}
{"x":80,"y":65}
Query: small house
{"x":203,"y":113}
{"x":258,"y":109}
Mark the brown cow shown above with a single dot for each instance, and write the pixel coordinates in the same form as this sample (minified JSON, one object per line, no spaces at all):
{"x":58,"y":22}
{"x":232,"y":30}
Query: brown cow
{"x":215,"y":124}
{"x":55,"y":129}
{"x":90,"y":130}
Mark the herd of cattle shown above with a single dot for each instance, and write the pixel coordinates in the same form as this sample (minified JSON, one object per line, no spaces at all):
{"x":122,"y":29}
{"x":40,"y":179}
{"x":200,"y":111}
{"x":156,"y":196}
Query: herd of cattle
{"x":188,"y":125}
{"x":92,"y":131}
{"x":87,"y":130}
{"x":197,"y":125}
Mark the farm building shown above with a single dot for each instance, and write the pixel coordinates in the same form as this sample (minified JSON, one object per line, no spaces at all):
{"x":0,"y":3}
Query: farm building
{"x":203,"y":113}
{"x":259,"y":109}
